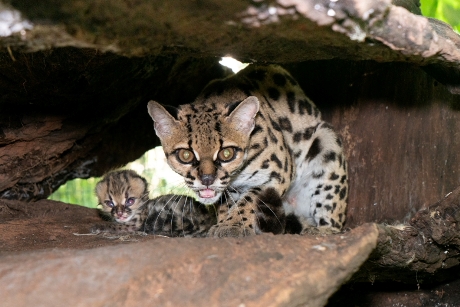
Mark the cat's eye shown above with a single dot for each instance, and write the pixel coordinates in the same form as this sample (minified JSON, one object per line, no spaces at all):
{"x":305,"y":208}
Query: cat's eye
{"x":109,"y":203}
{"x":226,"y":154}
{"x":130,"y":201}
{"x":185,"y":156}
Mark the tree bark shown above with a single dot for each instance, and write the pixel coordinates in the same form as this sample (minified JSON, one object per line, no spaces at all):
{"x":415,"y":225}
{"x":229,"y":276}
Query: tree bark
{"x":425,"y":251}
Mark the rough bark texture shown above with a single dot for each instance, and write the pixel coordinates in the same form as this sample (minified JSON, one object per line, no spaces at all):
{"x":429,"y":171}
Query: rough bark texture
{"x":429,"y":244}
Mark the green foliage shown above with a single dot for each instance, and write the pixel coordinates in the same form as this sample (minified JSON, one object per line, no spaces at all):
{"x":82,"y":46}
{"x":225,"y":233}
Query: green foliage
{"x":445,"y":10}
{"x":152,"y":166}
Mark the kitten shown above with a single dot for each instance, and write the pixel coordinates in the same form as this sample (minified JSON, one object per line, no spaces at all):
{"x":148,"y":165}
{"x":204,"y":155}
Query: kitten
{"x":124,"y":199}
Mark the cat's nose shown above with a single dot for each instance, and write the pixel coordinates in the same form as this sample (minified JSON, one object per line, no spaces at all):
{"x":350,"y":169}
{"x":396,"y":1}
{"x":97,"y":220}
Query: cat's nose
{"x":207,"y":179}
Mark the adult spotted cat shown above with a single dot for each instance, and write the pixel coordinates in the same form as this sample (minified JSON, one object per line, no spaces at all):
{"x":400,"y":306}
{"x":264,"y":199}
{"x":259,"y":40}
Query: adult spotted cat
{"x":255,"y":140}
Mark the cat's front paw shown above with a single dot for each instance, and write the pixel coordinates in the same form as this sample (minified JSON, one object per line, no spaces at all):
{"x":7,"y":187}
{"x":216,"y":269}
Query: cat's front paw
{"x":236,"y":231}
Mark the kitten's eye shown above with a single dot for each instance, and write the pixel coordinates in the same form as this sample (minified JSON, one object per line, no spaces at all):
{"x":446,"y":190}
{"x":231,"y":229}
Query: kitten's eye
{"x":109,"y":203}
{"x":226,"y":154}
{"x":185,"y":156}
{"x":130,"y":201}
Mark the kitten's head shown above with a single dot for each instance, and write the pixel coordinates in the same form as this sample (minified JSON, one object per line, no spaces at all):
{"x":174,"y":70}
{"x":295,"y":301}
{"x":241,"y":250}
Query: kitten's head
{"x":121,"y":193}
{"x":206,"y":143}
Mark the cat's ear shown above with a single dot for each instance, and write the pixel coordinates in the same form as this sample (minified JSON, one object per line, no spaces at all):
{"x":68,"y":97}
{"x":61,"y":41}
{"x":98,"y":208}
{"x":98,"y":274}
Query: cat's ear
{"x":242,"y":117}
{"x":164,"y":122}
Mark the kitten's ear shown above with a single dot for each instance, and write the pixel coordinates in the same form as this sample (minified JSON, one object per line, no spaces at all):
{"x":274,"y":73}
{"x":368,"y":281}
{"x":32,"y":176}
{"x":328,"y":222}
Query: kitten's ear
{"x":164,"y":122}
{"x":242,"y":117}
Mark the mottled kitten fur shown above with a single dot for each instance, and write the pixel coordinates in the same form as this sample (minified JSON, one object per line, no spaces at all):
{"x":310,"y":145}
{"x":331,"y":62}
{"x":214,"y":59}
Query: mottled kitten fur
{"x":255,"y":140}
{"x":124,"y":198}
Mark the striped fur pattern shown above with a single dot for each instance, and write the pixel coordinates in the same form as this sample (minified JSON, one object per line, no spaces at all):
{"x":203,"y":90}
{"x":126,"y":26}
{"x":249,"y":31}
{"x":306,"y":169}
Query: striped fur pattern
{"x":123,"y":196}
{"x":255,"y":140}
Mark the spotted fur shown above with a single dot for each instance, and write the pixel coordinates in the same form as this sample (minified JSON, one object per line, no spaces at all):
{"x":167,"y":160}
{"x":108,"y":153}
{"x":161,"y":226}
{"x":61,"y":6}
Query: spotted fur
{"x":123,"y":196}
{"x":257,"y":141}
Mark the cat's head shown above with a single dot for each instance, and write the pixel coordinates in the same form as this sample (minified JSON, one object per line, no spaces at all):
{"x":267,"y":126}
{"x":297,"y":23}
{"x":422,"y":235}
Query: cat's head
{"x":206,"y":143}
{"x":121,"y":193}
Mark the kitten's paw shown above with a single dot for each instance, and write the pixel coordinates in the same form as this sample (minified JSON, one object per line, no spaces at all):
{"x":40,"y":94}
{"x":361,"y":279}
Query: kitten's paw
{"x":236,"y":231}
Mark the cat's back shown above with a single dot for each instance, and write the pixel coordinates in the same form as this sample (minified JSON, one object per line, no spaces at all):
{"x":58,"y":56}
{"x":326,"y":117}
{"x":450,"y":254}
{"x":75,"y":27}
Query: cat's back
{"x":278,"y":92}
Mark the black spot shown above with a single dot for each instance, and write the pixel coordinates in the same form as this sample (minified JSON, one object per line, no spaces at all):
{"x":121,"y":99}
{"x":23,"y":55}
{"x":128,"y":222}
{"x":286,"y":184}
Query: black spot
{"x":308,"y":133}
{"x":273,"y":93}
{"x":275,"y":175}
{"x":340,"y":217}
{"x":318,"y":175}
{"x":337,"y":189}
{"x":344,"y":177}
{"x":279,"y":79}
{"x":322,"y":222}
{"x":272,"y":136}
{"x":335,"y":224}
{"x":319,"y":205}
{"x":285,"y":124}
{"x":275,"y":125}
{"x":319,"y":186}
{"x":334,"y":205}
{"x":316,"y":192}
{"x":291,"y":101}
{"x":241,"y":211}
{"x":255,"y":146}
{"x":275,"y":159}
{"x":297,"y":137}
{"x":252,"y":175}
{"x":316,"y":111}
{"x":246,"y":88}
{"x":314,"y":150}
{"x":334,"y":176}
{"x":217,"y":127}
{"x":257,"y":129}
{"x":329,"y":196}
{"x":297,"y":154}
{"x":265,"y":164}
{"x":304,"y":105}
{"x":328,"y":208}
{"x":343,"y":193}
{"x":327,"y":188}
{"x":244,"y":219}
{"x":329,"y":156}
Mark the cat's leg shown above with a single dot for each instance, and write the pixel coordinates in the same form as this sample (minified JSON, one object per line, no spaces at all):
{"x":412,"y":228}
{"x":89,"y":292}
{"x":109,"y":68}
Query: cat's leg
{"x":255,"y":212}
{"x":328,"y":182}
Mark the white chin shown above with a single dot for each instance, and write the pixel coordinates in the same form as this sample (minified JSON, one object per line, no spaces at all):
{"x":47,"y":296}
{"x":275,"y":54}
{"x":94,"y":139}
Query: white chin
{"x":209,"y":200}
